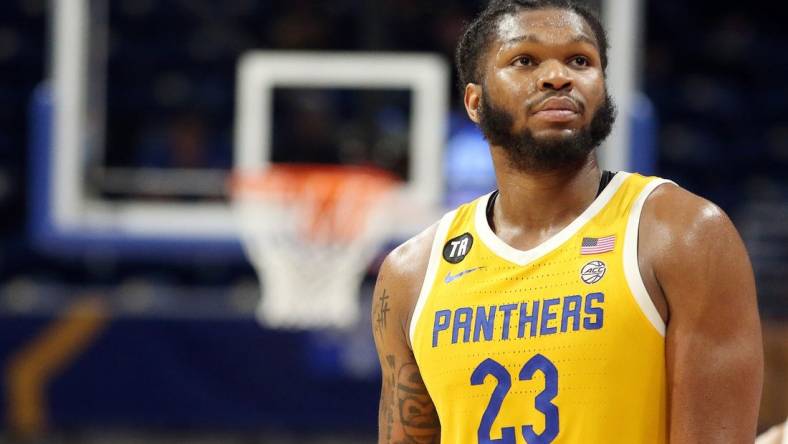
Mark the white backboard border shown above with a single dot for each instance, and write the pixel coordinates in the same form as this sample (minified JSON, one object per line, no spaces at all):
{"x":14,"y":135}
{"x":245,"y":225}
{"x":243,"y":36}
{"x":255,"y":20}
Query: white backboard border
{"x":427,"y":76}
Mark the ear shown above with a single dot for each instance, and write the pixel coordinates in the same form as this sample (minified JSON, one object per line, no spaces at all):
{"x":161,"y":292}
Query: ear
{"x":473,"y":100}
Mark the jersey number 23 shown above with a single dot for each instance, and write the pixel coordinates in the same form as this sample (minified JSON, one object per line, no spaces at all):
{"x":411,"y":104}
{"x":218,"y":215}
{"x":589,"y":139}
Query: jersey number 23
{"x":543,"y":401}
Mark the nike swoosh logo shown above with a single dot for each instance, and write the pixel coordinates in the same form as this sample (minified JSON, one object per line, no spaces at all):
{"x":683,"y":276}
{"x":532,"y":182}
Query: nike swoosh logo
{"x":452,"y":277}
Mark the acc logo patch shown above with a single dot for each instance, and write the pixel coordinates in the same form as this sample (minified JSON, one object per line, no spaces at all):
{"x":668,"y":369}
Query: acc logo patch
{"x":592,"y":272}
{"x":457,"y":248}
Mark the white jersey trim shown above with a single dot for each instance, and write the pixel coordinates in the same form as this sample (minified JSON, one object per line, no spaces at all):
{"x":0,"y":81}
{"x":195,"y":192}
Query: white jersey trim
{"x":631,"y":266}
{"x":523,"y":257}
{"x":432,"y":270}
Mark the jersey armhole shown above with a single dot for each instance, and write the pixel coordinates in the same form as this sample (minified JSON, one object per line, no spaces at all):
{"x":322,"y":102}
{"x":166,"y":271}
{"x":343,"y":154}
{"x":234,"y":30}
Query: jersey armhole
{"x":631,"y":265}
{"x":432,"y":270}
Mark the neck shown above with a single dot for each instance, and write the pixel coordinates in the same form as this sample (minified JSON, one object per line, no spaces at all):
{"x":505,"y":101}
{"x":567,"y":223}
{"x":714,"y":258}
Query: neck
{"x":534,"y":205}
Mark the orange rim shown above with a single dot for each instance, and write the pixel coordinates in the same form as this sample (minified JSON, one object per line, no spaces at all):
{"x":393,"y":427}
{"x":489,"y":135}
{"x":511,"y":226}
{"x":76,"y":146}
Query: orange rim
{"x":339,"y":199}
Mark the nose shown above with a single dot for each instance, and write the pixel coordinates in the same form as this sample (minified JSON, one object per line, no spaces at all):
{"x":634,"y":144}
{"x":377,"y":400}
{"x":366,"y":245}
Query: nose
{"x":554,"y":76}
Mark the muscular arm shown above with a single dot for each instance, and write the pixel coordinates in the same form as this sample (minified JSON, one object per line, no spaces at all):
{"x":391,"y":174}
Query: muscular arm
{"x":714,"y":353}
{"x":406,"y":414}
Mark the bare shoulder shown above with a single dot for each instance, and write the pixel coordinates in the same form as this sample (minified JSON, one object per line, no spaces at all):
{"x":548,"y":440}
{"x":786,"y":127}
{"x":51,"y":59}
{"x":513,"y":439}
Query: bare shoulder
{"x":407,"y":263}
{"x":675,"y":217}
{"x":688,"y":245}
{"x":401,"y":276}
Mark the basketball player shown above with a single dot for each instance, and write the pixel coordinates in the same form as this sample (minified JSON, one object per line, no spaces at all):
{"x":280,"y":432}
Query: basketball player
{"x":572,"y":305}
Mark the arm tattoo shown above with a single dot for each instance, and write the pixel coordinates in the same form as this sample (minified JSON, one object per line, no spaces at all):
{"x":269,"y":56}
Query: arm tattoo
{"x":381,"y":310}
{"x":406,"y":414}
{"x":417,"y":413}
{"x":405,"y":399}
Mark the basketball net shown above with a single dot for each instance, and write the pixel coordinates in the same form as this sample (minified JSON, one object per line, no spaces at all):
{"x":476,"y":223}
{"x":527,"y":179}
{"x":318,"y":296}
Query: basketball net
{"x":310,"y":232}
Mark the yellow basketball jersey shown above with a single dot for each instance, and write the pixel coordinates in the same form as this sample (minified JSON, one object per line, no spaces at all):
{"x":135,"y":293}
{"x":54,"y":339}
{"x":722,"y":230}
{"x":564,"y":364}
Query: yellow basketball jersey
{"x":557,"y":344}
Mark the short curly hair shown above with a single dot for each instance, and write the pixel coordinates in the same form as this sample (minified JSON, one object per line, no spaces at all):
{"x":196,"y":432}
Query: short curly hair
{"x":477,"y":36}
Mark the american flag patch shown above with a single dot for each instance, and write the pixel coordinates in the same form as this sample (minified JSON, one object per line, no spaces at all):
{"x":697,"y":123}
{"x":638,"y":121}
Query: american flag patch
{"x":596,"y":245}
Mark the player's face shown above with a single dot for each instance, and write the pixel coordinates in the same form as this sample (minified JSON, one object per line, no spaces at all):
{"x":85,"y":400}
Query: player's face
{"x":545,"y":70}
{"x":543,"y":98}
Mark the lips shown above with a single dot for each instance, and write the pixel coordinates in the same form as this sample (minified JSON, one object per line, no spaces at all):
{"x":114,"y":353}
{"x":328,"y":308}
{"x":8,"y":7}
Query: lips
{"x":557,"y":109}
{"x":558,"y":104}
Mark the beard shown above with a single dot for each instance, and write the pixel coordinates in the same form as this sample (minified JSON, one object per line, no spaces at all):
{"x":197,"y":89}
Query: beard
{"x":531,"y":154}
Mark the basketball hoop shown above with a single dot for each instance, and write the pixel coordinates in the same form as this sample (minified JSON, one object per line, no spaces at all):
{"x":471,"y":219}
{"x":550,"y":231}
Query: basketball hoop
{"x":310,"y":231}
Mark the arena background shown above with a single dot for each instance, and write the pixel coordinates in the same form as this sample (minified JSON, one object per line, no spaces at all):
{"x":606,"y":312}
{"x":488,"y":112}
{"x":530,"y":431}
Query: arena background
{"x":108,"y":341}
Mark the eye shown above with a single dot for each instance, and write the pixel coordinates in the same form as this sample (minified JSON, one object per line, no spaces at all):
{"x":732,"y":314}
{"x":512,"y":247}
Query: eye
{"x":523,"y":61}
{"x":581,"y":61}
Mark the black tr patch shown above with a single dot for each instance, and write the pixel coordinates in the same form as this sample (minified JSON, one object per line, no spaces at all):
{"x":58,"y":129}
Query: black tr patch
{"x":457,"y":248}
